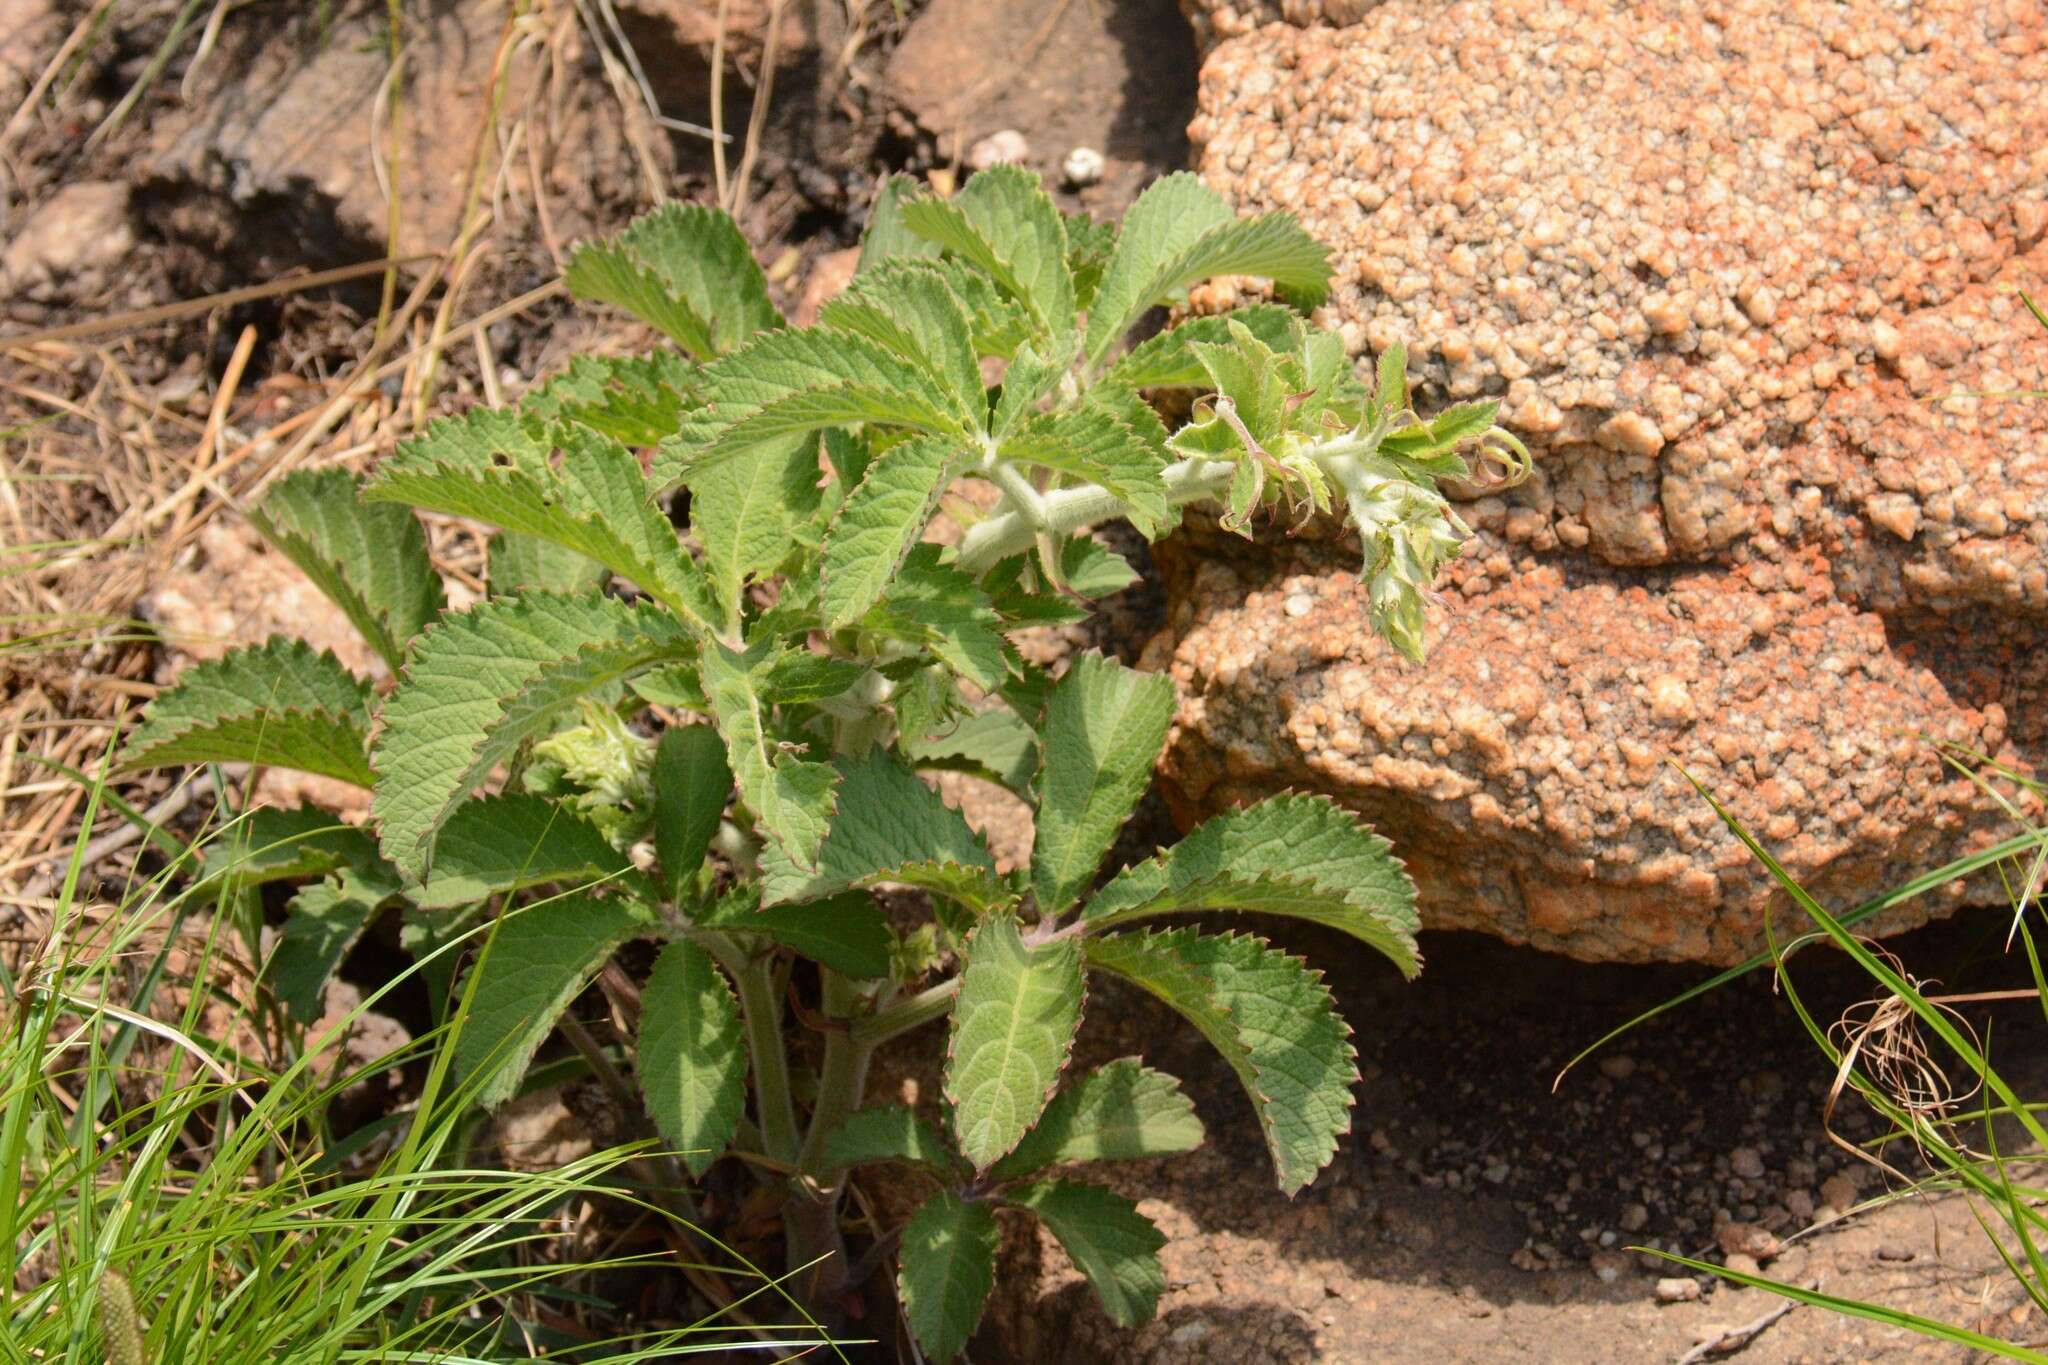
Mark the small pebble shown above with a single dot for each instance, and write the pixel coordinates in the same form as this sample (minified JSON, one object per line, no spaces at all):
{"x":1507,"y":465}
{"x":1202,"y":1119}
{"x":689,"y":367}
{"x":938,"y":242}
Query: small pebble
{"x":998,"y":149}
{"x":1838,"y":1192}
{"x":1895,"y":1251}
{"x":1299,"y":604}
{"x":1678,"y":1289}
{"x":1745,"y":1162}
{"x":1082,"y":167}
{"x":1634,"y":1218}
{"x":1619,"y":1067}
{"x":1742,"y":1264}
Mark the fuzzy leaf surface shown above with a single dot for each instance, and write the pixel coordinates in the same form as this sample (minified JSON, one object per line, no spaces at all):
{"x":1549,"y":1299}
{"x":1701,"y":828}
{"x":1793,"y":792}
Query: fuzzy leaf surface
{"x":1012,"y":1028}
{"x":693,"y":1055}
{"x":889,"y":826}
{"x":1119,"y":1112}
{"x":369,"y":560}
{"x":1299,"y":856}
{"x":880,"y":521}
{"x":1168,"y":360}
{"x":1180,"y":232}
{"x":1093,"y":446}
{"x":747,"y":512}
{"x":848,"y":933}
{"x":269,"y":844}
{"x":482,"y":682}
{"x":887,"y":237}
{"x":892,"y":1132}
{"x":1004,"y":223}
{"x":1110,"y":1242}
{"x":518,"y":562}
{"x":992,"y":744}
{"x":280,"y":703}
{"x":593,"y":499}
{"x":635,"y":400}
{"x":1104,"y":727}
{"x":685,"y":270}
{"x":945,"y":1268}
{"x":692,"y":783}
{"x":1272,"y":1019}
{"x":514,"y":841}
{"x":937,"y":606}
{"x":910,"y":308}
{"x":540,"y":958}
{"x":792,"y":798}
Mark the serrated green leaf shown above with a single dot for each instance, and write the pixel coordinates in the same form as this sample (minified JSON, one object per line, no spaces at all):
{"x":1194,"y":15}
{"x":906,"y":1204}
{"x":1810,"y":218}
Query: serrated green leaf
{"x":1168,"y":360}
{"x":321,"y":924}
{"x":1104,"y":727}
{"x":1299,"y":856}
{"x":1089,"y":247}
{"x":371,"y":561}
{"x":514,"y":841}
{"x":886,"y":237}
{"x":747,"y":512}
{"x":993,"y":744}
{"x":1271,"y":1018}
{"x":280,"y":703}
{"x":1109,"y":1241}
{"x":636,"y":400}
{"x":1035,"y":371}
{"x":791,"y":382}
{"x":518,"y":562}
{"x":692,"y":783}
{"x":484,"y":681}
{"x":889,"y":1133}
{"x":848,"y":933}
{"x":1095,"y":447}
{"x":268,"y":844}
{"x":539,"y":958}
{"x":1004,"y":223}
{"x":889,"y":827}
{"x":594,"y":499}
{"x":910,"y":308}
{"x":1120,"y":1112}
{"x":685,"y":270}
{"x":1180,"y":232}
{"x":801,"y":678}
{"x":881,"y":521}
{"x":792,"y":799}
{"x":1012,"y":1028}
{"x":693,"y":1056}
{"x":946,"y":1265}
{"x":935,"y":605}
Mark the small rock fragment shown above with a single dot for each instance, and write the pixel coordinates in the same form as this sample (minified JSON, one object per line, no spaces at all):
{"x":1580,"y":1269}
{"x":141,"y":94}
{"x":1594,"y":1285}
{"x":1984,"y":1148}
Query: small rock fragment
{"x":1838,"y":1192}
{"x":1747,"y":1239}
{"x":1003,"y":148}
{"x":1746,"y":1163}
{"x":1619,"y":1067}
{"x":1083,"y":167}
{"x":1678,"y":1289}
{"x":1897,"y":1252}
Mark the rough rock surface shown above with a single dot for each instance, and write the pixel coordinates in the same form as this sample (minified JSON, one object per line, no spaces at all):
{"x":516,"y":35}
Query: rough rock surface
{"x":71,"y":245}
{"x":1721,"y":264}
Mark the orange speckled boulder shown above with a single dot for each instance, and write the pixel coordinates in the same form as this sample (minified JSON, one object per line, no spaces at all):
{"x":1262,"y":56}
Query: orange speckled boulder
{"x":1726,"y":266}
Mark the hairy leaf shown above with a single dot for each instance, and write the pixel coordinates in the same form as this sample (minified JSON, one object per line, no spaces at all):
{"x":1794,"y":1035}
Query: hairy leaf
{"x":1012,"y":1027}
{"x":889,"y":827}
{"x":946,"y":1267}
{"x":538,"y":960}
{"x":281,"y":704}
{"x":268,"y":844}
{"x":937,"y":606}
{"x":636,"y":400}
{"x":892,"y":1132}
{"x":1168,"y":360}
{"x":693,"y":1057}
{"x":748,"y":511}
{"x":1271,"y":1018}
{"x":993,"y":744}
{"x":848,"y":933}
{"x":1089,"y":247}
{"x":1003,"y":222}
{"x":887,"y":238}
{"x":1300,"y":856}
{"x":1110,"y":1242}
{"x":519,"y":562}
{"x":692,"y":783}
{"x":371,"y":561}
{"x":792,"y":799}
{"x":1180,"y":232}
{"x":1093,"y":446}
{"x":1104,"y":727}
{"x":593,"y":499}
{"x":321,"y":924}
{"x":1120,"y":1112}
{"x":511,"y":842}
{"x":881,"y":521}
{"x":686,"y":270}
{"x":790,"y":382}
{"x":484,"y":681}
{"x":910,"y":308}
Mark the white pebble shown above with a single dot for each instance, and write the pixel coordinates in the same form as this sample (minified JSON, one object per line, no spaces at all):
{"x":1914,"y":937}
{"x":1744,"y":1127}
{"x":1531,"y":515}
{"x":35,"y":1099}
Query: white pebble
{"x":1083,"y":166}
{"x":1677,"y":1289}
{"x":998,"y":149}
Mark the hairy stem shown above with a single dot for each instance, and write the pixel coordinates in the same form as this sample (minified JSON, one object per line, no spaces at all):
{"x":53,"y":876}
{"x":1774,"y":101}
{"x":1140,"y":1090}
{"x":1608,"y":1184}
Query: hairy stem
{"x":899,"y":1019}
{"x":812,"y":1213}
{"x":761,"y":1008}
{"x":1067,"y":510}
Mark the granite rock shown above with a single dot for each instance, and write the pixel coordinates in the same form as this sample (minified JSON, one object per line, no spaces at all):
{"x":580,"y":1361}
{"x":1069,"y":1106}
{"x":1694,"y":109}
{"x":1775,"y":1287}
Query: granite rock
{"x":1727,"y":267}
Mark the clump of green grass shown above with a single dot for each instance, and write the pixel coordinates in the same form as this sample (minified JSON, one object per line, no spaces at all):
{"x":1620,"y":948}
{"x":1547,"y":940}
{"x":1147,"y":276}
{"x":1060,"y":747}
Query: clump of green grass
{"x":171,"y":1188}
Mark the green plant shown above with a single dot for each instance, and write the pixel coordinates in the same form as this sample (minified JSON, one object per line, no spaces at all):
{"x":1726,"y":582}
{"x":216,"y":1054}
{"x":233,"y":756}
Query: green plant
{"x":806,"y":651}
{"x":171,"y":1189}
